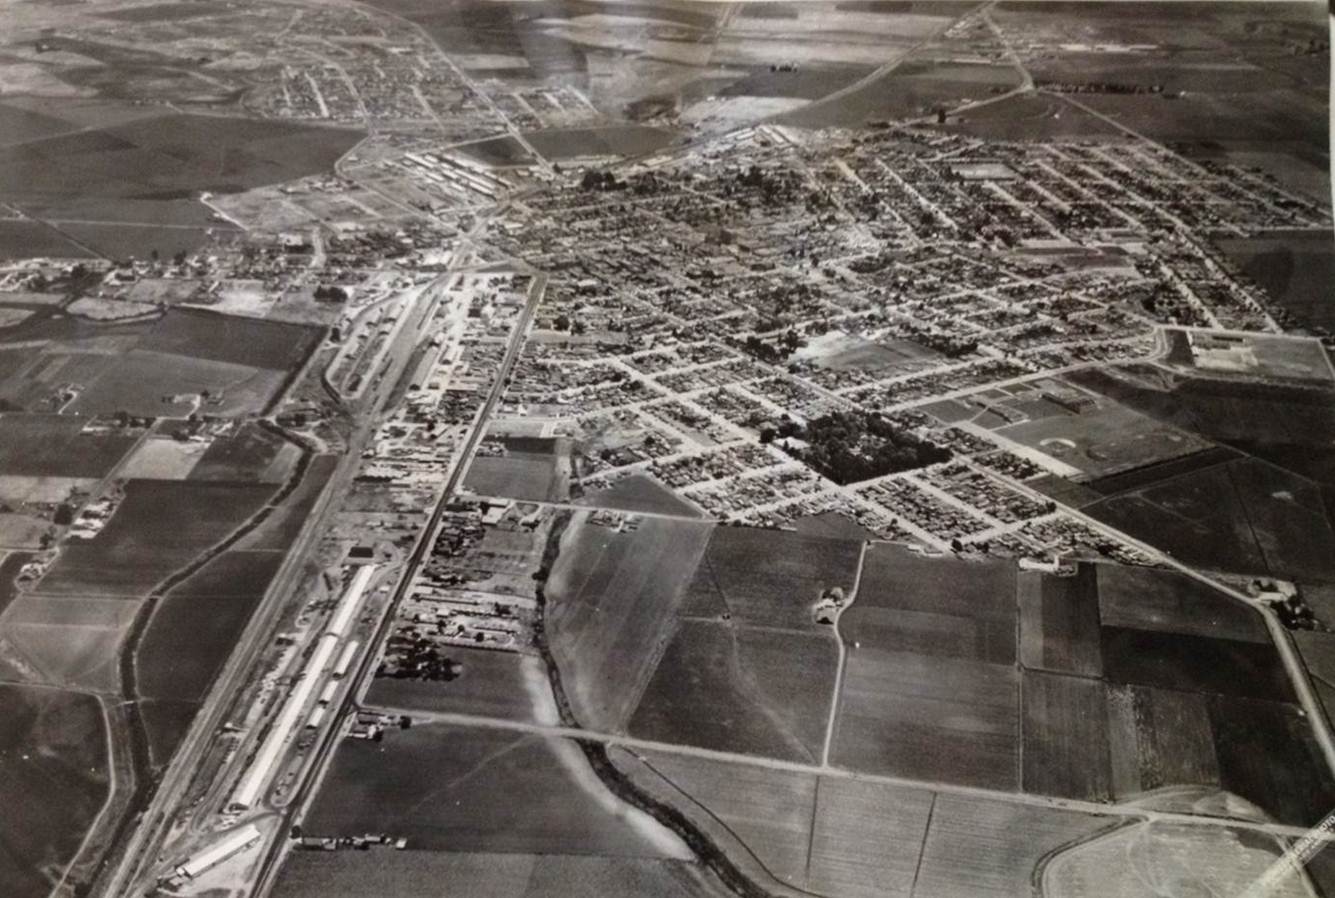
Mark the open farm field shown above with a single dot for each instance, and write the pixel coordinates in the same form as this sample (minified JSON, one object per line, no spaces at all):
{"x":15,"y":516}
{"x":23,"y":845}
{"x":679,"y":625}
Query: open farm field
{"x":1296,"y":269}
{"x":1245,"y":515}
{"x":799,"y":84}
{"x":232,"y":339}
{"x":55,"y":446}
{"x":1064,"y":737}
{"x":195,"y":626}
{"x":21,"y":239}
{"x":160,"y":526}
{"x":167,"y":723}
{"x":769,"y":578}
{"x":123,"y":240}
{"x":163,"y":157}
{"x":979,"y":848}
{"x":619,"y":140}
{"x":497,"y":151}
{"x":769,"y":811}
{"x":250,"y":453}
{"x":53,"y":765}
{"x":1166,"y":601}
{"x":163,"y":459}
{"x":640,"y":493}
{"x":612,"y":598}
{"x":1059,"y":622}
{"x":282,"y":525}
{"x":914,"y":89}
{"x":495,"y":684}
{"x":1030,"y":117}
{"x":895,"y":707}
{"x":743,"y":689}
{"x":461,"y":790}
{"x":159,"y":384}
{"x":71,"y":642}
{"x":419,"y":874}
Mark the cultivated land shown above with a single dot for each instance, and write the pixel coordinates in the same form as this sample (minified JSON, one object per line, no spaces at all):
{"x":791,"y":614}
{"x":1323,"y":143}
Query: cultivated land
{"x":839,"y":449}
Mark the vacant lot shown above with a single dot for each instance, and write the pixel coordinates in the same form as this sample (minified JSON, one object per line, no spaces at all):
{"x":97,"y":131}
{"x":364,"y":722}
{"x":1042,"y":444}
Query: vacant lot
{"x":160,"y":526}
{"x":517,"y":475}
{"x":495,"y":684}
{"x":612,"y":598}
{"x":641,"y":493}
{"x":768,"y":577}
{"x":452,"y":789}
{"x":53,"y":781}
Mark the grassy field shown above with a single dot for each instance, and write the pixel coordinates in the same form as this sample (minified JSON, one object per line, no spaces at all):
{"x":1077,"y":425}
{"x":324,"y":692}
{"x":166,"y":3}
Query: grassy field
{"x":453,"y":789}
{"x":159,"y":527}
{"x":53,"y":780}
{"x":232,"y":339}
{"x":612,"y":598}
{"x":1030,"y":117}
{"x":517,"y":475}
{"x":1104,"y":440}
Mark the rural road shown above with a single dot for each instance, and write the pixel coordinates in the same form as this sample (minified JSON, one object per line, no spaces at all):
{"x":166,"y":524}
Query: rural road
{"x":633,"y":744}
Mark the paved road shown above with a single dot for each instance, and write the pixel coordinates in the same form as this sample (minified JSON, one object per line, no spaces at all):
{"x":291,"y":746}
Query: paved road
{"x":360,"y":679}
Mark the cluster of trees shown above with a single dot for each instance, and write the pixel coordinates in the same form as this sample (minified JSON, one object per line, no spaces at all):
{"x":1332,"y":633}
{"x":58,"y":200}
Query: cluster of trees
{"x":331,"y":293}
{"x":600,"y":180}
{"x":775,"y":352}
{"x":849,"y":447}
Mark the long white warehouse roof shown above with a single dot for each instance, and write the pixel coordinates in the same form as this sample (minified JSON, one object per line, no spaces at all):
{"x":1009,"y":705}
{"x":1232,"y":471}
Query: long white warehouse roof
{"x":220,"y":851}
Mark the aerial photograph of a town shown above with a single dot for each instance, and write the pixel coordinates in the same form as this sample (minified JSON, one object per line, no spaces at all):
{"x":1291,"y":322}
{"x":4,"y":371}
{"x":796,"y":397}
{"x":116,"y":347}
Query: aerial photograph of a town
{"x":666,"y":449}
